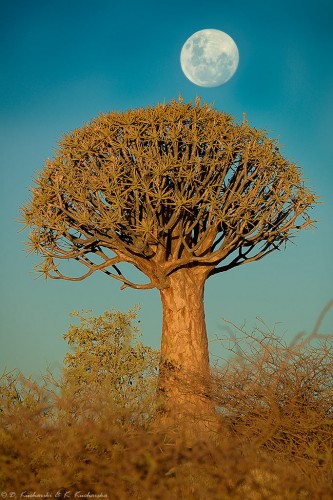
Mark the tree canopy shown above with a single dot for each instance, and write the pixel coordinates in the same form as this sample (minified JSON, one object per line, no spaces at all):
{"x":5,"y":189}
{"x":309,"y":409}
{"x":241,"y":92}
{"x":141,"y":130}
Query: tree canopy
{"x":164,"y":187}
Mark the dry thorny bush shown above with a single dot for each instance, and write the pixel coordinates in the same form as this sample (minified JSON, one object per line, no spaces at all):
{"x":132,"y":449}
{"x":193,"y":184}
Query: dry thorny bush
{"x":84,"y":435}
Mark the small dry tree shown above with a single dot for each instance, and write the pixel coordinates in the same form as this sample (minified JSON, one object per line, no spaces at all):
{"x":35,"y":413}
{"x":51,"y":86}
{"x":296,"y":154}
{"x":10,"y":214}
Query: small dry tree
{"x":182,"y":192}
{"x":108,"y":366}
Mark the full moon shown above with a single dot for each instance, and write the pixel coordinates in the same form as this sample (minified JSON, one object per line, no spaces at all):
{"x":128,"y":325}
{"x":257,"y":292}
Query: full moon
{"x":209,"y":58}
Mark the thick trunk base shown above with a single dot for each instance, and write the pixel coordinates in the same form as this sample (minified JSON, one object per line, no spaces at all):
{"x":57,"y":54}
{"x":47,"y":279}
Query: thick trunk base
{"x":184,"y":376}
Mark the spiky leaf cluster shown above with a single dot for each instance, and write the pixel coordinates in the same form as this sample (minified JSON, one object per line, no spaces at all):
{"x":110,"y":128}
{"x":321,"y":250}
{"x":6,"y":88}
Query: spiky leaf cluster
{"x":164,"y":187}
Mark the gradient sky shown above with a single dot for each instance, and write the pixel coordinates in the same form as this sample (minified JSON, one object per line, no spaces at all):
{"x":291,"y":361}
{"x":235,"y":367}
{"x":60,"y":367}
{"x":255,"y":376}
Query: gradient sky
{"x":63,"y":62}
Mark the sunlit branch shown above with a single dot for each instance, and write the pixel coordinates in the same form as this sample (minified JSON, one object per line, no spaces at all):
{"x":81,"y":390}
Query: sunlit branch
{"x":101,"y":267}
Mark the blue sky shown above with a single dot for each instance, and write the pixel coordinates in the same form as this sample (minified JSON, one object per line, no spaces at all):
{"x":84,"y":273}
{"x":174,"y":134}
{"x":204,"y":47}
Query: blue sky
{"x":64,"y":62}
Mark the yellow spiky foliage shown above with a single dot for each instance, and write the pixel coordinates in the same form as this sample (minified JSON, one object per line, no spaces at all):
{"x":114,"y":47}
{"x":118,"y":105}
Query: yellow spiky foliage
{"x":164,"y":187}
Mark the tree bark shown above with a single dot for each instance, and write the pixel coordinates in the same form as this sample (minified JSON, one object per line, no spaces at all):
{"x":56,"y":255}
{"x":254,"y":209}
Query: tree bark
{"x":184,"y":375}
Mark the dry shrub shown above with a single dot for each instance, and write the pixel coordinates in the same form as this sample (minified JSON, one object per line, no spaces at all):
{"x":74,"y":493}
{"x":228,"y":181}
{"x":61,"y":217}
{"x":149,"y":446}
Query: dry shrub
{"x":279,"y":397}
{"x":105,"y":456}
{"x":274,"y":442}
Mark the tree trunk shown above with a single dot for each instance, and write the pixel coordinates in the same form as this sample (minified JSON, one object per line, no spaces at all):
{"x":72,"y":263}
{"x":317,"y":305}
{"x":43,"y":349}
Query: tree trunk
{"x":184,"y":376}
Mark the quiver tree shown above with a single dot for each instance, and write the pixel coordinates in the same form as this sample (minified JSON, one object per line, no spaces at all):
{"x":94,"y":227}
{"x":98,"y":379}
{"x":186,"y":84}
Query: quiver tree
{"x":180,"y":191}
